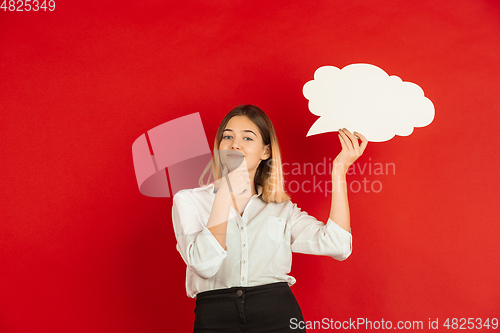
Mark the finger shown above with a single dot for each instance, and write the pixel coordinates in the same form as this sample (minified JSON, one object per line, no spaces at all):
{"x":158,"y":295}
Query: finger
{"x":243,"y":166}
{"x":242,"y":169}
{"x":225,"y":170}
{"x":225,"y":176}
{"x":346,"y":139}
{"x":246,"y":173}
{"x":228,"y":182}
{"x":364,"y":141}
{"x":353,"y":140}
{"x":342,"y":142}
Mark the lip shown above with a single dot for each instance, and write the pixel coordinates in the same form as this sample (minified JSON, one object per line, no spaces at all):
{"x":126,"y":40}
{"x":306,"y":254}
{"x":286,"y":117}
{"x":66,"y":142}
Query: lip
{"x":235,"y":155}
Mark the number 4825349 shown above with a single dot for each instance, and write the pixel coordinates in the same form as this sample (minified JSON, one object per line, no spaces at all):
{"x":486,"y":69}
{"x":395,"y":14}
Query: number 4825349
{"x":27,"y":5}
{"x":470,"y":323}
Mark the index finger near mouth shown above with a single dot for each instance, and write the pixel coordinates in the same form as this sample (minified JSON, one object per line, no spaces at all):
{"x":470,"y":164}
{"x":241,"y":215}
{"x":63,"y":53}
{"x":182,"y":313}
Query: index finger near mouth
{"x":243,"y":162}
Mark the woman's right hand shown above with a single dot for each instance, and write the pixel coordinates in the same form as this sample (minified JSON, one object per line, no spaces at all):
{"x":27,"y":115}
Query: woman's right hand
{"x":239,"y":180}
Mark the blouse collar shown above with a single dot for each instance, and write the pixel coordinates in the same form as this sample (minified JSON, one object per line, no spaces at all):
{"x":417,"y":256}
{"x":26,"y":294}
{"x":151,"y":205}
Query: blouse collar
{"x":210,"y":188}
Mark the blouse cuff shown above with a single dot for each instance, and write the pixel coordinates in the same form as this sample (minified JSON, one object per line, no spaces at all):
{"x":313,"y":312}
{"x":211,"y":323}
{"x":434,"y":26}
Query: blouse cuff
{"x":341,"y":230}
{"x":344,"y":236}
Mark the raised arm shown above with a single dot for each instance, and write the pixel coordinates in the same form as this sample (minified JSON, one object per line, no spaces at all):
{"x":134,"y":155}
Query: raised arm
{"x":197,"y":246}
{"x":351,"y":151}
{"x":233,"y":185}
{"x":217,"y":223}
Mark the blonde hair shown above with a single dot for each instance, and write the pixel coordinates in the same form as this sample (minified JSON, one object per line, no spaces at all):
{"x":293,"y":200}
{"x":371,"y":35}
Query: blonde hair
{"x":269,"y":173}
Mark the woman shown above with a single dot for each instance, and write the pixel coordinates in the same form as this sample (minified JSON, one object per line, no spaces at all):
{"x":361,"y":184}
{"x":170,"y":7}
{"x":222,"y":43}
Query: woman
{"x":237,"y":234}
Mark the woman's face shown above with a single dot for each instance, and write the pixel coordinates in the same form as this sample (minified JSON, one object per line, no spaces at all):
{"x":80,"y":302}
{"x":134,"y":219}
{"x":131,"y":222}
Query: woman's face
{"x":241,"y":138}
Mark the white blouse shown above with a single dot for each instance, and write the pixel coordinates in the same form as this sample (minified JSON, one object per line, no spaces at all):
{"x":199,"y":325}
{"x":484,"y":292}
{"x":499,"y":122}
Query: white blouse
{"x":259,"y":243}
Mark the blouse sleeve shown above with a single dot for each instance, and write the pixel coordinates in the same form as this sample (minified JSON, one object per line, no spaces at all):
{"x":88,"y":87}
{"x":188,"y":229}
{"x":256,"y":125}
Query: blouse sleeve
{"x":311,"y":236}
{"x":197,"y":246}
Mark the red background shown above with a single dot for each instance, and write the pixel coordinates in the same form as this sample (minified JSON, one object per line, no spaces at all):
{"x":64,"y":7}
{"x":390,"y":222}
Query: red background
{"x":81,"y":249}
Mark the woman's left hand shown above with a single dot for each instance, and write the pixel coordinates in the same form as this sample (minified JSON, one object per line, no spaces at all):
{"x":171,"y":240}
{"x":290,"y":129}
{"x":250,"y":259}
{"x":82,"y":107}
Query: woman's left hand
{"x":351,"y":151}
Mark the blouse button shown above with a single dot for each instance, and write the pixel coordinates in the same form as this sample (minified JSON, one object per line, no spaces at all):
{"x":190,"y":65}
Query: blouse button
{"x":243,"y":261}
{"x":243,"y":245}
{"x":243,"y":278}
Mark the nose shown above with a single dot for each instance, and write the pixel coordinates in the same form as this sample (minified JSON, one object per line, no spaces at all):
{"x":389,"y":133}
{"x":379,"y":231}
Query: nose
{"x":235,"y":145}
{"x":235,"y":148}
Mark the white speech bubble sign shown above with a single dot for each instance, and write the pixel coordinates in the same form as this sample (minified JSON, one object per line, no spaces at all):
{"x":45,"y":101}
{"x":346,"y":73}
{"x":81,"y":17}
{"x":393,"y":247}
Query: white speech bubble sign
{"x":365,"y":99}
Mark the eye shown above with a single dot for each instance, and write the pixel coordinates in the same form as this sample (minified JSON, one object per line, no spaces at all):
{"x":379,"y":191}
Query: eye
{"x":229,"y":136}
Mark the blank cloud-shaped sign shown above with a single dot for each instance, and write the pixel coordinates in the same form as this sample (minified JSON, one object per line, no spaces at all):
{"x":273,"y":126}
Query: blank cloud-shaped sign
{"x":365,"y":99}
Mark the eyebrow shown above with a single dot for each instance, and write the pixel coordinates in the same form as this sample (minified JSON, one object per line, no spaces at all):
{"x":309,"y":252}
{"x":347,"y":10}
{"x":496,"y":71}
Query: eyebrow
{"x":228,"y":129}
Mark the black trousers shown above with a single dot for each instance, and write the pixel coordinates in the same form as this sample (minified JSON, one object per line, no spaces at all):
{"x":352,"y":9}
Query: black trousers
{"x":266,"y":308}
